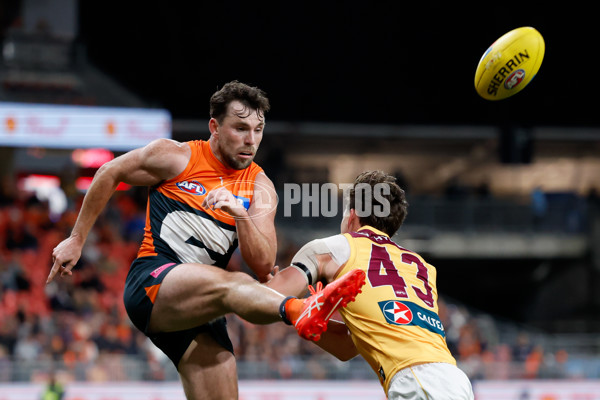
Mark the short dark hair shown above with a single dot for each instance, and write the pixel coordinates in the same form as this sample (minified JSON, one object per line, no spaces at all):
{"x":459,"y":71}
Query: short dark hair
{"x":251,"y":97}
{"x":391,"y":221}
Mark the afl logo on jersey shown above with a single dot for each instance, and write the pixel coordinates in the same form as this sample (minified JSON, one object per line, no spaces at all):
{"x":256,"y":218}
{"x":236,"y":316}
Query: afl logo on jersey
{"x":191,"y":187}
{"x":397,"y":313}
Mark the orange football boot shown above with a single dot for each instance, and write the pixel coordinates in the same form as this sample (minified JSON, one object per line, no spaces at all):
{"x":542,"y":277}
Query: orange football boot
{"x":320,"y":306}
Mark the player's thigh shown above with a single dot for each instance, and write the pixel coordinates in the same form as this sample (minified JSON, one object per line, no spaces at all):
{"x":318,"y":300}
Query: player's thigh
{"x":192,"y":295}
{"x":208,"y":371}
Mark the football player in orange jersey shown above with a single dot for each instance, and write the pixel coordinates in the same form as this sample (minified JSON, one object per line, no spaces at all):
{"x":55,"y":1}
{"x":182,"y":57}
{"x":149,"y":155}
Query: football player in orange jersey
{"x":205,"y":199}
{"x":394,"y":322}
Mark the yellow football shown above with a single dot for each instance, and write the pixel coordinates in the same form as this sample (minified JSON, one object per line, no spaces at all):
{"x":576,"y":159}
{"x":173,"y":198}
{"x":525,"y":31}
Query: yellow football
{"x":509,"y":64}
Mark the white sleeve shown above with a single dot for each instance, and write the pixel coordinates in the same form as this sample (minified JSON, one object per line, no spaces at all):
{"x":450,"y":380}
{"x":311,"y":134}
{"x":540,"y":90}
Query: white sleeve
{"x":306,"y":262}
{"x":339,"y":248}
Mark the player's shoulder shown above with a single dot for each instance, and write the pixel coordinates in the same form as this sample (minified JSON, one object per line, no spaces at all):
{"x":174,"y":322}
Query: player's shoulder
{"x":262,"y":179}
{"x":334,"y":242}
{"x":167,"y":155}
{"x":164,"y":146}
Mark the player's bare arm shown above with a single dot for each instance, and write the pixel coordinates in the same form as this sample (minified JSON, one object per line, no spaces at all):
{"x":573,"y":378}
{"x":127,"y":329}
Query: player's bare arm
{"x":315,"y":262}
{"x":161,"y":159}
{"x":304,"y":269}
{"x":255,"y":226}
{"x":337,"y":341}
{"x":256,"y":229}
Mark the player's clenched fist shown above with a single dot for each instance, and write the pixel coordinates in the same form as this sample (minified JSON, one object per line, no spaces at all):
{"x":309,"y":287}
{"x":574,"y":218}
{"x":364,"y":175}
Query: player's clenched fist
{"x":223,"y":199}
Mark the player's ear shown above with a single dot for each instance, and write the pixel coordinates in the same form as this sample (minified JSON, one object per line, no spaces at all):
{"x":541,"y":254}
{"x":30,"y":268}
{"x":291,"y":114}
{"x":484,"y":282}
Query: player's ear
{"x":353,"y":220}
{"x":213,"y":126}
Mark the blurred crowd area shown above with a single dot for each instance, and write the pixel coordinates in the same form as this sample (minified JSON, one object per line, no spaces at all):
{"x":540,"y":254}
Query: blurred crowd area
{"x":77,"y":326}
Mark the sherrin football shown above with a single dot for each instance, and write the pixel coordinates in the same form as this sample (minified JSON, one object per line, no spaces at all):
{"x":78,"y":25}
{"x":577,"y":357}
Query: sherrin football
{"x":509,"y":64}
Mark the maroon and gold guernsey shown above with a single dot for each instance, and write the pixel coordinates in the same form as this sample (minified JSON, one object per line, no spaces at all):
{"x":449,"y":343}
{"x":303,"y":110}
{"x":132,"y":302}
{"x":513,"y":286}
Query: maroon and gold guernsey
{"x":394,"y":321}
{"x":179,"y":228}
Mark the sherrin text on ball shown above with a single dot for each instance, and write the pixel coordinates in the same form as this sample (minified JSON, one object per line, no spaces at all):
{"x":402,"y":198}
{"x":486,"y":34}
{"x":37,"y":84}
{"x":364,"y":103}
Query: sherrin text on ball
{"x":510,"y":63}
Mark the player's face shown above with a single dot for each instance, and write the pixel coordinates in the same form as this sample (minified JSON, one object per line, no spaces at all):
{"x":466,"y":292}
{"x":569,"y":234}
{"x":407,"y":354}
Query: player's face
{"x":239,"y":135}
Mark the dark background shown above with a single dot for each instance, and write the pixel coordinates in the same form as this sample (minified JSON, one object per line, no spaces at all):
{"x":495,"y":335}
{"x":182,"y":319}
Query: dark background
{"x":392,"y":62}
{"x":382,"y":62}
{"x":377,"y":62}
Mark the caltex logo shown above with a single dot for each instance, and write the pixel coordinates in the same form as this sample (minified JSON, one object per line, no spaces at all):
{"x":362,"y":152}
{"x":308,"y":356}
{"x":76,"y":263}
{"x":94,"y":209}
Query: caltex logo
{"x":397,"y":313}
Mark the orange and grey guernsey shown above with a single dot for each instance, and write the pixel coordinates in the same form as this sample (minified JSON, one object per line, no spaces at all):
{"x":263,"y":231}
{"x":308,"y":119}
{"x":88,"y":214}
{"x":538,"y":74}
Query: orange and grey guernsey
{"x":179,"y":228}
{"x":394,"y":321}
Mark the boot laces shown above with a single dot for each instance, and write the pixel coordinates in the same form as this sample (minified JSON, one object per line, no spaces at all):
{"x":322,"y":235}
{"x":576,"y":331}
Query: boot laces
{"x":318,"y":288}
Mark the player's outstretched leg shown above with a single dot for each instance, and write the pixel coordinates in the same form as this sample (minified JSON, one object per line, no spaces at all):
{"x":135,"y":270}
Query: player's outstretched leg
{"x":318,"y":308}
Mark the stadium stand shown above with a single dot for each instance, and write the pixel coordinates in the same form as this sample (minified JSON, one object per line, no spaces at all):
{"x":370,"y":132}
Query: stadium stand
{"x":79,"y":326}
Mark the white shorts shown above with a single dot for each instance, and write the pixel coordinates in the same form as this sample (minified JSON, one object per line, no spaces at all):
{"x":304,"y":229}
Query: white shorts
{"x":431,"y":381}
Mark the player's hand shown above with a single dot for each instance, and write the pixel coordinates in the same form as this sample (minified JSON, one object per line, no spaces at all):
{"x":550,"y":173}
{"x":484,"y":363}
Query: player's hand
{"x":64,"y":257}
{"x":271,"y":275}
{"x":223,"y":199}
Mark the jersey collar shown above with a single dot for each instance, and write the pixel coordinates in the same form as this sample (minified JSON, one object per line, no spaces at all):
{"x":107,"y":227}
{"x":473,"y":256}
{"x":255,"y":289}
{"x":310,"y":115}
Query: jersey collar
{"x":368,"y":228}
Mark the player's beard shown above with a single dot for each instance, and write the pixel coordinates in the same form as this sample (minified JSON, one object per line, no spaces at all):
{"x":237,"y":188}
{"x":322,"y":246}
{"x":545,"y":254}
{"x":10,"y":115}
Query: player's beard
{"x":236,"y":163}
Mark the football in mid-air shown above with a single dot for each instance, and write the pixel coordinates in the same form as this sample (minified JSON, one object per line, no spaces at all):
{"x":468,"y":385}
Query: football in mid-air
{"x":510,"y":63}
